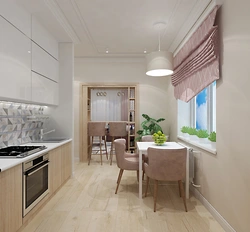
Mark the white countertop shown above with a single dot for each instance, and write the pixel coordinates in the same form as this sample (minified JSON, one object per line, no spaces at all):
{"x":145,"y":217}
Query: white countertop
{"x":6,"y":163}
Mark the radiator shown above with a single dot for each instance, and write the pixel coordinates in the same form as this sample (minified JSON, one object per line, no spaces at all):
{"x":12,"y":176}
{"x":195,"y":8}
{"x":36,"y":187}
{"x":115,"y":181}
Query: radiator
{"x":191,"y":155}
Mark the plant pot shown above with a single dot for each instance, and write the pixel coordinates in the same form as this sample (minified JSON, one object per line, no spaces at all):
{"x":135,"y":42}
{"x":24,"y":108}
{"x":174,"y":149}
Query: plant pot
{"x":193,"y":137}
{"x":213,"y":145}
{"x":203,"y":140}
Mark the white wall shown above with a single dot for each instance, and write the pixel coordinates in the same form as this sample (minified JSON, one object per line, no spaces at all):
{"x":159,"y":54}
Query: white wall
{"x":225,"y":177}
{"x":152,"y":98}
{"x":62,"y":115}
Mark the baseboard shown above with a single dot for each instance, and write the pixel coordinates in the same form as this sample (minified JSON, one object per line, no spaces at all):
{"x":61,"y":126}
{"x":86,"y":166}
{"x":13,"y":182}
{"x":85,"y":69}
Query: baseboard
{"x":224,"y":224}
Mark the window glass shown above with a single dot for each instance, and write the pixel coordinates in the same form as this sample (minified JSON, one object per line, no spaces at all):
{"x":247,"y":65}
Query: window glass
{"x":201,"y":110}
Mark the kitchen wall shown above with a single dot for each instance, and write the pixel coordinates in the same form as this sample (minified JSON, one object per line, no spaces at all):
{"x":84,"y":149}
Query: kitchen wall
{"x":15,"y":125}
{"x":152,"y":97}
{"x":225,"y":177}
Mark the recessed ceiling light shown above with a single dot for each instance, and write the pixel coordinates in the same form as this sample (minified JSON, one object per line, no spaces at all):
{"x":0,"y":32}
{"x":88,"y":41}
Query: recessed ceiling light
{"x":145,"y":51}
{"x":107,"y":51}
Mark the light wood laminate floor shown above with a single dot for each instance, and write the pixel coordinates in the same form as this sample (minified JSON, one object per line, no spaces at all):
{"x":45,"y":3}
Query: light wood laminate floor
{"x":87,"y":202}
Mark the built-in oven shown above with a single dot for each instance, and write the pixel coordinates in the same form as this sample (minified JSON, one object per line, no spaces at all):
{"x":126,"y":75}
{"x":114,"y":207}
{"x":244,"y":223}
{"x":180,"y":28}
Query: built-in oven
{"x":35,"y":181}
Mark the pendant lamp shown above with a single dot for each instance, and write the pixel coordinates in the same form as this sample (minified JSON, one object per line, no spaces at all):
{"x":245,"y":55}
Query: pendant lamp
{"x":159,"y":63}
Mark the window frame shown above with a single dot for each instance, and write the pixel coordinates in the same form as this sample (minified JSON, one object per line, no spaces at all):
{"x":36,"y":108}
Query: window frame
{"x":186,"y":116}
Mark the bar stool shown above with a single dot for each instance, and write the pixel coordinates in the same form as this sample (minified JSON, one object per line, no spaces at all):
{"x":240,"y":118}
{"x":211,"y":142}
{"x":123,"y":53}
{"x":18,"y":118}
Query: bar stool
{"x":97,"y":129}
{"x":116,"y":130}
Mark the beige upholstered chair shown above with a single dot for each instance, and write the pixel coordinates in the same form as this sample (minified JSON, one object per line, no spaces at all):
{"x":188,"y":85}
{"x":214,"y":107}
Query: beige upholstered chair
{"x":97,"y":129}
{"x":124,"y":160}
{"x":118,"y":130}
{"x":166,"y":165}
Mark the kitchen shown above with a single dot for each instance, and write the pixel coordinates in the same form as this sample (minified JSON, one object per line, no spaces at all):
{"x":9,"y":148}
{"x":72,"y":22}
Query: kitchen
{"x":225,"y":174}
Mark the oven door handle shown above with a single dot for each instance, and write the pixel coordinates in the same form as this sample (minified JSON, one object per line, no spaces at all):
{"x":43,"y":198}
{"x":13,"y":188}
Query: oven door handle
{"x":31,"y":173}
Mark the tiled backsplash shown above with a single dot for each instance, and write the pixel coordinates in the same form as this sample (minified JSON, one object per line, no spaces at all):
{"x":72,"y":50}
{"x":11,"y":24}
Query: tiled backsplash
{"x":15,"y":126}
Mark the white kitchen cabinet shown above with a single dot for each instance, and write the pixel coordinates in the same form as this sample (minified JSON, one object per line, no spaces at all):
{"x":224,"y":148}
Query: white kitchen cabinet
{"x":43,"y":63}
{"x":44,"y":90}
{"x":15,"y":58}
{"x":44,"y":39}
{"x":13,"y":12}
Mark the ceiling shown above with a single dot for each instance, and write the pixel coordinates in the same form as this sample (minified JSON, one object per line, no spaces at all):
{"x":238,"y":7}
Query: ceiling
{"x":124,"y":28}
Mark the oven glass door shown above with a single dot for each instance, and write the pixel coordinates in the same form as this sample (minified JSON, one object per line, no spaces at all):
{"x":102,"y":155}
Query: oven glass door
{"x":36,"y":185}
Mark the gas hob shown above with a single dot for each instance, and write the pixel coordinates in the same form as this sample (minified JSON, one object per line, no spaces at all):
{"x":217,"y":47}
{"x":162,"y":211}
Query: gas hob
{"x":19,"y":151}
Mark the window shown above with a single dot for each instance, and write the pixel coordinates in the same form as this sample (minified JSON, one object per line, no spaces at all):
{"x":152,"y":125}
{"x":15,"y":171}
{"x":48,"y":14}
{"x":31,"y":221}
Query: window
{"x":200,"y":112}
{"x":203,"y":109}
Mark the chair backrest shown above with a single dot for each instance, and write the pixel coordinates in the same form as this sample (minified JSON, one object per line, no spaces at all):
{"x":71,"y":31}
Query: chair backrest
{"x":147,"y":138}
{"x":120,"y":146}
{"x":96,"y":128}
{"x":166,"y":164}
{"x":118,"y":128}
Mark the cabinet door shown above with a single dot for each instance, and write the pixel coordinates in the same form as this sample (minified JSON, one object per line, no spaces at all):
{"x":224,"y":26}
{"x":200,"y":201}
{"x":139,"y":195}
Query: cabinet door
{"x":55,"y":167}
{"x":43,"y":63}
{"x":66,"y":161}
{"x":44,"y":90}
{"x":45,"y":40}
{"x":13,"y":12}
{"x":11,"y":199}
{"x":15,"y":71}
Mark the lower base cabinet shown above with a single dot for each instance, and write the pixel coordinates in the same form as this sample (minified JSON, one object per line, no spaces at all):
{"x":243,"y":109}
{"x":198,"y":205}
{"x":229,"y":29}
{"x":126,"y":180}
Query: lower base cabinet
{"x":60,"y":166}
{"x":11,"y":199}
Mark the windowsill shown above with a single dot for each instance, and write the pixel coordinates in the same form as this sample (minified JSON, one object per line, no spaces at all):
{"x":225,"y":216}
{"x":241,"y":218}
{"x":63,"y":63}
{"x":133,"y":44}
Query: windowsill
{"x":205,"y":146}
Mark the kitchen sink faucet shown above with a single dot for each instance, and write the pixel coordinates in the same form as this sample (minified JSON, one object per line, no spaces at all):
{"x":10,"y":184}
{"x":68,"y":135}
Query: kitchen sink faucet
{"x":44,"y":133}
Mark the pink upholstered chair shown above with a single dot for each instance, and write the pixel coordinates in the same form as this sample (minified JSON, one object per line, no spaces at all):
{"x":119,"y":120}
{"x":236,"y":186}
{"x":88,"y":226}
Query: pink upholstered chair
{"x":166,"y":165}
{"x":124,"y":160}
{"x":116,"y":129}
{"x":97,"y":129}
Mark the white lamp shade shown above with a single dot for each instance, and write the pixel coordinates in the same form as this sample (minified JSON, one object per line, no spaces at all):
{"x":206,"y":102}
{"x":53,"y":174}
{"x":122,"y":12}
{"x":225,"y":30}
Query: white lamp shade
{"x":159,"y":63}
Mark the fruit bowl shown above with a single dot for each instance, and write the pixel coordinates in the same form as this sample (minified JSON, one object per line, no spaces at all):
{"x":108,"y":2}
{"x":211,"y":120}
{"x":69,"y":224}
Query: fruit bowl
{"x":159,"y":138}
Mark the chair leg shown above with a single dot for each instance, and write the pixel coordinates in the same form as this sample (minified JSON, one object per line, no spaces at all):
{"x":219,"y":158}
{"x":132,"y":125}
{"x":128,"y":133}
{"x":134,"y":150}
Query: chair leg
{"x":111,"y":150}
{"x":119,"y":176}
{"x":179,"y":184}
{"x":100,"y":144}
{"x":155,"y":194}
{"x":183,"y":194}
{"x":119,"y":180}
{"x":105,"y":143}
{"x":90,"y":149}
{"x":147,"y":186}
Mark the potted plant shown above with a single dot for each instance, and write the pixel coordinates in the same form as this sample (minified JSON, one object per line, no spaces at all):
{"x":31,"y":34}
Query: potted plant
{"x":149,"y":126}
{"x":184,"y":130}
{"x":192,"y":132}
{"x":202,"y":135}
{"x":212,"y":138}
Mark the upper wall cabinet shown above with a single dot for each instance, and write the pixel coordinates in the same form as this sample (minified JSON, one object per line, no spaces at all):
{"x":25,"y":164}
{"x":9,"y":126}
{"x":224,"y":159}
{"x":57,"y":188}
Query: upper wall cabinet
{"x":43,"y":63}
{"x":15,"y":63}
{"x":44,"y":39}
{"x":14,"y":13}
{"x":44,"y":90}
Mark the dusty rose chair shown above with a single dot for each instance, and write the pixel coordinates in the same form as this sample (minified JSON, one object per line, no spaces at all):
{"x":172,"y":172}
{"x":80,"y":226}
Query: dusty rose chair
{"x":166,"y":165}
{"x":116,"y":129}
{"x":124,"y":160}
{"x":97,"y":129}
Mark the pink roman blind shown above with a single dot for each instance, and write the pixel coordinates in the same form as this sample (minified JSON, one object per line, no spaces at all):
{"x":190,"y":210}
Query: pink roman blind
{"x":196,"y":65}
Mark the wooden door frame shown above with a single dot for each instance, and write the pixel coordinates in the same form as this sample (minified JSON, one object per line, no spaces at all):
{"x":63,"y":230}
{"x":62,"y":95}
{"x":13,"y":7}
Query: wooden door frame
{"x":83,"y":140}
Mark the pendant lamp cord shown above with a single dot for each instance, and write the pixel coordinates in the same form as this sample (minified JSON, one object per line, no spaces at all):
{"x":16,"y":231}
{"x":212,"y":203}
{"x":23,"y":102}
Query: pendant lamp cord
{"x":159,"y":38}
